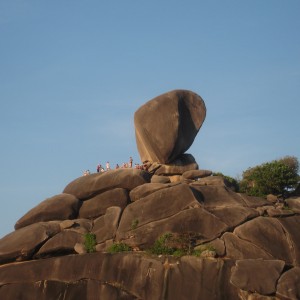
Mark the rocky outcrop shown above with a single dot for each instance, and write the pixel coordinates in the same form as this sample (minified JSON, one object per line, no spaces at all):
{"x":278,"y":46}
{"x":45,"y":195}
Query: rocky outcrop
{"x":176,"y":210}
{"x":243,"y":242}
{"x":167,"y":125}
{"x":225,"y":245}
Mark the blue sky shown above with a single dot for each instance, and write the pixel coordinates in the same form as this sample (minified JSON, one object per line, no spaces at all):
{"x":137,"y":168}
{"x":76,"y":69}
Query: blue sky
{"x":72,"y":74}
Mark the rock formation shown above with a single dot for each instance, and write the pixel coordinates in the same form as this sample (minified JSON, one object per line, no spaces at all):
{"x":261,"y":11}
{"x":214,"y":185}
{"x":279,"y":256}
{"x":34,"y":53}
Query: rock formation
{"x":167,"y":125}
{"x":248,"y":247}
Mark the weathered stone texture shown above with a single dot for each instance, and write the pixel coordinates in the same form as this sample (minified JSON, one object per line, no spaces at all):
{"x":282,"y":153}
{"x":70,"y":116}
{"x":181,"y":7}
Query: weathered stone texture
{"x":61,"y":243}
{"x":22,"y":243}
{"x":267,"y":272}
{"x":288,"y":287}
{"x":59,"y":207}
{"x":234,"y":217}
{"x":167,"y":125}
{"x":294,"y":204}
{"x":197,"y":221}
{"x":195,"y":278}
{"x":237,"y":248}
{"x":160,"y":179}
{"x":195,"y":174}
{"x":145,"y":190}
{"x":269,"y":235}
{"x":141,"y":277}
{"x":96,"y":206}
{"x":291,"y":226}
{"x":182,"y":164}
{"x":78,"y":225}
{"x":86,"y":187}
{"x":105,"y":227}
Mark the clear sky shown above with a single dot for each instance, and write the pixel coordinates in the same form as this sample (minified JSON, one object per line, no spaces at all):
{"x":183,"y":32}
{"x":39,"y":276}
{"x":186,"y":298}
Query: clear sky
{"x":72,"y":74}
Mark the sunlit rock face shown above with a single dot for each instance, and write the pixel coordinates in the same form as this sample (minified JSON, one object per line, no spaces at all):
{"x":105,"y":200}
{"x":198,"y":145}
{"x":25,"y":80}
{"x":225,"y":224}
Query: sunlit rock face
{"x":248,"y":247}
{"x":167,"y":125}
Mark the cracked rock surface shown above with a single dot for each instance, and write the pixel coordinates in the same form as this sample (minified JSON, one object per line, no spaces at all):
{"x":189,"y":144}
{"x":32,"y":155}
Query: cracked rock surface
{"x":248,"y":247}
{"x":255,"y":255}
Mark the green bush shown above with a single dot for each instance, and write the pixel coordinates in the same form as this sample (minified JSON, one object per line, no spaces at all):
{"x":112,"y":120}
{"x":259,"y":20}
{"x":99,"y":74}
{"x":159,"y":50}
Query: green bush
{"x":179,"y":253}
{"x":161,"y":245}
{"x":277,"y":177}
{"x":174,"y":244}
{"x":90,"y":242}
{"x":119,"y":247}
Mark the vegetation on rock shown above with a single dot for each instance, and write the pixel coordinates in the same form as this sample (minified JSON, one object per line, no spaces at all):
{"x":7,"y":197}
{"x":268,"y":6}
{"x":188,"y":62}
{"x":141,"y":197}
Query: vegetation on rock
{"x":119,"y":247}
{"x":161,"y":245}
{"x":90,"y":242}
{"x":277,"y":177}
{"x":177,"y":245}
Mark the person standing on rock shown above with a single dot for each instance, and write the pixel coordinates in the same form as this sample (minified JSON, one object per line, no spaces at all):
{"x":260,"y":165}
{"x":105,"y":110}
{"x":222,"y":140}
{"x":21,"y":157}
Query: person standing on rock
{"x":86,"y":172}
{"x":107,"y":166}
{"x":98,"y":168}
{"x":130,"y":162}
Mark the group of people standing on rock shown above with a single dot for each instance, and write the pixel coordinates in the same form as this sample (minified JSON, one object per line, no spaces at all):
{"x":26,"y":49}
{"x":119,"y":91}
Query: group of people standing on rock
{"x":101,"y":169}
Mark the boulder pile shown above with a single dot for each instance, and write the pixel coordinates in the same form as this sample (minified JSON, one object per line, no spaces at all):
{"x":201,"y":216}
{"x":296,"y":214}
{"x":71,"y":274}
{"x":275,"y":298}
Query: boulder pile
{"x":247,"y":247}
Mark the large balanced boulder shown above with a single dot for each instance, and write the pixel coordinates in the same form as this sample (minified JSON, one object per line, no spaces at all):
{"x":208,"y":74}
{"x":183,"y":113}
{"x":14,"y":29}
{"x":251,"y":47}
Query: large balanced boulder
{"x":167,"y":125}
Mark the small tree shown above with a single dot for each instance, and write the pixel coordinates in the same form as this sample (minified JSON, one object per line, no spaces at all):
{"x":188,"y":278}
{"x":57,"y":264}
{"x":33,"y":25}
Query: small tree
{"x":277,"y":177}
